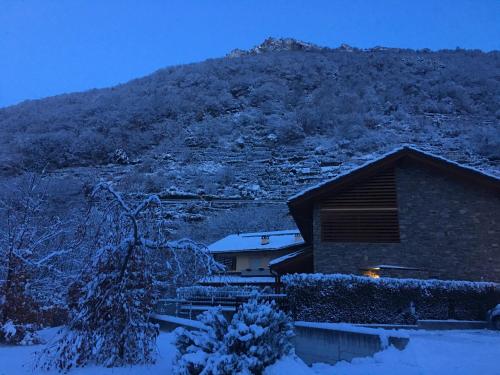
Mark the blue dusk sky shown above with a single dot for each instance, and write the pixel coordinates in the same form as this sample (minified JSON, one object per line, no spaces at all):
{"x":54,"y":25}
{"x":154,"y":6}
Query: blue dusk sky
{"x":50,"y":47}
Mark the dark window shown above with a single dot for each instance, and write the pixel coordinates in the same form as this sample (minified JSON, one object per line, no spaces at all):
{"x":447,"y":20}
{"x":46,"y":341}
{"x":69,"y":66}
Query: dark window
{"x":228,"y":261}
{"x":366,"y":212}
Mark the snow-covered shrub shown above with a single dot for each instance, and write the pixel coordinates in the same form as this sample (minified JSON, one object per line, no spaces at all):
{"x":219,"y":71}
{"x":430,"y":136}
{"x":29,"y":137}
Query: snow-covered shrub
{"x":19,"y":334}
{"x":485,"y":141}
{"x":195,"y":347}
{"x":120,"y":156}
{"x":257,"y":336}
{"x":359,"y":299}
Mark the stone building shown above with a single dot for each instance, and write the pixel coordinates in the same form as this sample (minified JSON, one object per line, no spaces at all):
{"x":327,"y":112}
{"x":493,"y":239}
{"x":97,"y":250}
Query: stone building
{"x":406,"y":214}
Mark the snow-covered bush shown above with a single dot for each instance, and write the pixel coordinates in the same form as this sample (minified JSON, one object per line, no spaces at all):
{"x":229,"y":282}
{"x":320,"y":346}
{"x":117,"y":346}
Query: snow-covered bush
{"x":120,"y":156}
{"x":257,"y":336}
{"x":359,"y":299}
{"x":19,"y":334}
{"x":195,"y":347}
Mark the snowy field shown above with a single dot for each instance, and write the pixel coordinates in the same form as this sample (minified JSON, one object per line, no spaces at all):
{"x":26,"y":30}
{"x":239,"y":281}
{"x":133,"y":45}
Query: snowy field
{"x":429,"y":352}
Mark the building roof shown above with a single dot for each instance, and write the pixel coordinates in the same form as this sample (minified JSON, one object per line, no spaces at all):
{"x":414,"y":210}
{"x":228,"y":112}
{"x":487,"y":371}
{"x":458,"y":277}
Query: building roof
{"x":301,"y":204}
{"x":278,"y":240}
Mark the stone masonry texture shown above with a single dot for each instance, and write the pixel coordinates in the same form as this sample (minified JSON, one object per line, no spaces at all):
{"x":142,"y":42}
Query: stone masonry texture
{"x":449,"y":227}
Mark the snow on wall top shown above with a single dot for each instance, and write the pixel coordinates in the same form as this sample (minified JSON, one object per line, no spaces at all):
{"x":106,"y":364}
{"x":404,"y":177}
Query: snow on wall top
{"x":253,"y":241}
{"x":355,"y":328}
{"x":373,"y":158}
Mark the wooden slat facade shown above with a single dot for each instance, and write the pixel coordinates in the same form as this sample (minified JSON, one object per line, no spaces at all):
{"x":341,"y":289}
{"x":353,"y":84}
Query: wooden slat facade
{"x":366,"y":212}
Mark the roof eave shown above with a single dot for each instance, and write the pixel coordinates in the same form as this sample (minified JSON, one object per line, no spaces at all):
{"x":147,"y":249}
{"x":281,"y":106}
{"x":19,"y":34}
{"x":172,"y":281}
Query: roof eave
{"x":255,"y":250}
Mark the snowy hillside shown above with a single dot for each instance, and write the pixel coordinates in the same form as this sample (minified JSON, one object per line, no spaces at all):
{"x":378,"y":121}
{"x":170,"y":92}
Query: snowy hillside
{"x":235,"y":137}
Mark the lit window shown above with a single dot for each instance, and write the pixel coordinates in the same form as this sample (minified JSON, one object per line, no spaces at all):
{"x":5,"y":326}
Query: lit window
{"x":373,"y":273}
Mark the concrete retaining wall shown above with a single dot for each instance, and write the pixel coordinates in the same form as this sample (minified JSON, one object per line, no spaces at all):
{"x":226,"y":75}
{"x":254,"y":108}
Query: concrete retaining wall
{"x":170,"y":322}
{"x":334,"y":343}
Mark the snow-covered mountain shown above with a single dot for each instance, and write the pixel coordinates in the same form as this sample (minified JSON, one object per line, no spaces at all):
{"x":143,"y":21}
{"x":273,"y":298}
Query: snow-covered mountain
{"x":233,"y":137}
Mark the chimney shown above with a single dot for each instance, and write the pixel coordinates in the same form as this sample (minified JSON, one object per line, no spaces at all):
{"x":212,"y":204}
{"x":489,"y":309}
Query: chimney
{"x":264,"y":240}
{"x":298,"y":237}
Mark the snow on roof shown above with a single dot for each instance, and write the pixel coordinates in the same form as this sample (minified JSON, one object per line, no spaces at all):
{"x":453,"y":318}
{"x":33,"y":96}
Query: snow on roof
{"x":253,"y":241}
{"x":234,"y":279}
{"x":286,"y":257}
{"x":373,"y":158}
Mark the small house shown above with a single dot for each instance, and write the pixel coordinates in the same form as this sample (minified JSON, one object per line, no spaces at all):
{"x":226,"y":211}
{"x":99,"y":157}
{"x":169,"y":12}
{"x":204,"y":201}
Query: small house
{"x":406,"y":214}
{"x":246,"y":256}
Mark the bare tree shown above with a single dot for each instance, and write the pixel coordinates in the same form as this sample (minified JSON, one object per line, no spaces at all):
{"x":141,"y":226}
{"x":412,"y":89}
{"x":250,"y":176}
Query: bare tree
{"x":31,"y":245}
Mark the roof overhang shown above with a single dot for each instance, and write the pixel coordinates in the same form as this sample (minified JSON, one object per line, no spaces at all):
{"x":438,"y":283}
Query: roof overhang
{"x":259,"y":251}
{"x":300,"y":261}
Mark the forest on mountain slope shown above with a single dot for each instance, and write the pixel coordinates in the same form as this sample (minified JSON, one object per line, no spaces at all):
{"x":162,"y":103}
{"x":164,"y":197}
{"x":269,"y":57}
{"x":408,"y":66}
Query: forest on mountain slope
{"x":332,"y":93}
{"x":254,"y":126}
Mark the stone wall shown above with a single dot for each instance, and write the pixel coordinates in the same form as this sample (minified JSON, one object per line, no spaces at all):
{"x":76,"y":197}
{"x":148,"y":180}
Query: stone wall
{"x":449,"y":227}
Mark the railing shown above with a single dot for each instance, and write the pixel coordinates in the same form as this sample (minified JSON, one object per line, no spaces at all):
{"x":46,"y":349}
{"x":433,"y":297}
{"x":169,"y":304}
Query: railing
{"x":191,"y":301}
{"x":217,"y":292}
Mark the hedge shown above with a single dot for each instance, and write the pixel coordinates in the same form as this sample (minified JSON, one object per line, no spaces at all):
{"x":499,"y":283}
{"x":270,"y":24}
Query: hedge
{"x":359,"y":299}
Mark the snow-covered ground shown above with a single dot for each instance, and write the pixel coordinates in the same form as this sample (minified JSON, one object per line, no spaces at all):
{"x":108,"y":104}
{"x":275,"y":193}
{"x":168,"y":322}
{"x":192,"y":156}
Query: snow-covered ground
{"x":428,"y":353}
{"x":19,"y":360}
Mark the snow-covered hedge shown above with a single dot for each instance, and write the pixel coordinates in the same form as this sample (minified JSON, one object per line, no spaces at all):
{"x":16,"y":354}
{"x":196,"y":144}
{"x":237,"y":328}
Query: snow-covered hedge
{"x":359,"y":299}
